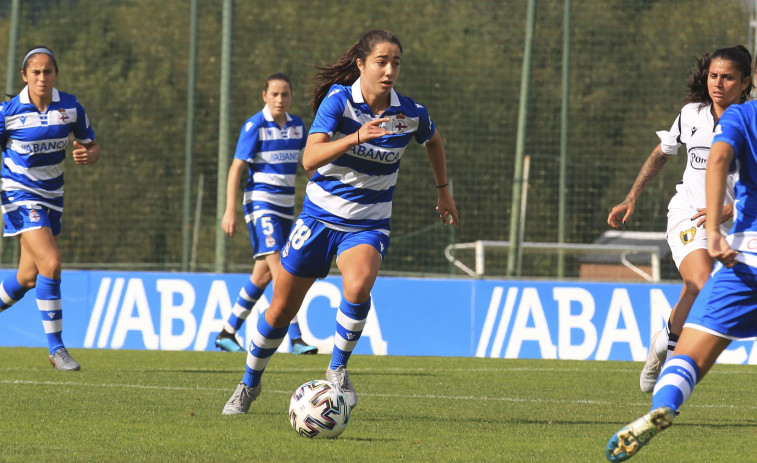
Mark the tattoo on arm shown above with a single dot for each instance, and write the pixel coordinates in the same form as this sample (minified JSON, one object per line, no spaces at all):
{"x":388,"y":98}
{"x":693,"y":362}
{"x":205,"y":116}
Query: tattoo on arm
{"x":652,"y":166}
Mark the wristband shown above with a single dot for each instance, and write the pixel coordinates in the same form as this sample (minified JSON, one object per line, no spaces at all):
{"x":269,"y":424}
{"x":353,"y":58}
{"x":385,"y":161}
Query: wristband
{"x":442,"y":186}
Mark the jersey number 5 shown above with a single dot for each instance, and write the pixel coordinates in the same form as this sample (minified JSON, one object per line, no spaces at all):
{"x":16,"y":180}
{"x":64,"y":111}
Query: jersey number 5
{"x":265,"y":223}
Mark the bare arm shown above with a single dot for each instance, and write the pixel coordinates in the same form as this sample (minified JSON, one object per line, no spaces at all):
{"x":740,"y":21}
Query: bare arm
{"x":320,"y":150}
{"x":652,"y":166}
{"x":308,"y":172}
{"x":229,"y":221}
{"x":718,"y":162}
{"x":445,"y":205}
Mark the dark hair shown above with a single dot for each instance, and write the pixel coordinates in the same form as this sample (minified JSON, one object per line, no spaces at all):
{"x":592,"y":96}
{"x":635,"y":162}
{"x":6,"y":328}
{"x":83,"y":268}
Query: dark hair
{"x":738,"y":55}
{"x":344,"y":71}
{"x":277,"y":76}
{"x":51,"y":54}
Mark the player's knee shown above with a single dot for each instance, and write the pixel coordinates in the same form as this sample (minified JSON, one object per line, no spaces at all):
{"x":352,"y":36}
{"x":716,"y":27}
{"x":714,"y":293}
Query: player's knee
{"x":694,"y":285}
{"x":51,"y":271}
{"x":279,"y":317}
{"x":357,"y":291}
{"x":27,"y":281}
{"x":261,"y":281}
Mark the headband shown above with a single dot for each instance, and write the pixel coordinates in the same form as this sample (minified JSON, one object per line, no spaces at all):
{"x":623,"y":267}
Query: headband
{"x":34,"y":52}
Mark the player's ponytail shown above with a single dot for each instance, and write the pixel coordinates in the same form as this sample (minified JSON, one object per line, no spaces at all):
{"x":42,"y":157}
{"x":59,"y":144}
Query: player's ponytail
{"x":745,"y":65}
{"x":697,"y":83}
{"x":344,"y":71}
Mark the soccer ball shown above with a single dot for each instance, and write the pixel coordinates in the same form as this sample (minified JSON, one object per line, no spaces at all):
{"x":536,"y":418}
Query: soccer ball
{"x":319,"y":410}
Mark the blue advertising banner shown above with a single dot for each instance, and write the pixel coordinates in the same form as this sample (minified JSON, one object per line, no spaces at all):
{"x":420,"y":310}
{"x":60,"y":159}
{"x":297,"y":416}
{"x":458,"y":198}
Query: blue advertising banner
{"x":409,"y":316}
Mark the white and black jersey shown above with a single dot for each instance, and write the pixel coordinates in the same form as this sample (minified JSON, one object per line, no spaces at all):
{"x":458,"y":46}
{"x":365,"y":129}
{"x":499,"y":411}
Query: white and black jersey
{"x":695,"y":128}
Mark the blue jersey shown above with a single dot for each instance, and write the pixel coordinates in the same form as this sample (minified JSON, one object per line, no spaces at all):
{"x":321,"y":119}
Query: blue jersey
{"x":34,"y":147}
{"x":727,"y":304}
{"x":738,"y":128}
{"x":355,"y":190}
{"x":272,"y":154}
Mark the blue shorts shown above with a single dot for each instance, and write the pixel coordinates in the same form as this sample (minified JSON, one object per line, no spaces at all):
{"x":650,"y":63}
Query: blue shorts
{"x":312,"y":245}
{"x":30,"y":217}
{"x":268,"y":234}
{"x":727,"y":304}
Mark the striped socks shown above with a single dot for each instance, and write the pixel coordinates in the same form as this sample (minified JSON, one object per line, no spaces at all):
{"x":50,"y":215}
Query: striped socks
{"x":677,"y":380}
{"x":49,"y":303}
{"x":248,"y":296}
{"x":10,"y":291}
{"x":350,"y":321}
{"x":265,"y":341}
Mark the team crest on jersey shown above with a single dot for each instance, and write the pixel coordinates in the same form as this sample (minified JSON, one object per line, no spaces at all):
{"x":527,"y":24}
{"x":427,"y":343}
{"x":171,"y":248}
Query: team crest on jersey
{"x":285,"y":251}
{"x":398,"y":124}
{"x":63,"y":116}
{"x":270,"y":241}
{"x":34,"y":215}
{"x":687,"y":236}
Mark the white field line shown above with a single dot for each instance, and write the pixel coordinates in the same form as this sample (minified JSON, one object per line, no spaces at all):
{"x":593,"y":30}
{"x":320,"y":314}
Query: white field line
{"x":404,"y":396}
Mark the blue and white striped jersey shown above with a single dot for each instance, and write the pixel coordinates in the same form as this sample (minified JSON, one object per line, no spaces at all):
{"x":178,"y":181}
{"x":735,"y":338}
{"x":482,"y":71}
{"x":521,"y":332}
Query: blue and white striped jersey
{"x":355,"y":190}
{"x":34,"y":147}
{"x":738,"y":127}
{"x":272,"y":154}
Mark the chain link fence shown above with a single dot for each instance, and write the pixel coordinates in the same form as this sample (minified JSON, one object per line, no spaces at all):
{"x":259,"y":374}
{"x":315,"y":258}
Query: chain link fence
{"x":128,"y":63}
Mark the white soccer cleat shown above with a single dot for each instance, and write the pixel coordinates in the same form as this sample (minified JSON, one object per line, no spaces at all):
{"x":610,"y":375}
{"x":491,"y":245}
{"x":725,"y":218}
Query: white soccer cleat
{"x":628,"y":440}
{"x":342,"y":381}
{"x":653,"y":366}
{"x":240,"y":400}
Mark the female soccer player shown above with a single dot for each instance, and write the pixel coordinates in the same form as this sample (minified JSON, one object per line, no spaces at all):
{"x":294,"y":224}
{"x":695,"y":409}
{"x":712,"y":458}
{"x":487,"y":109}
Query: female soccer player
{"x":361,"y":128}
{"x":269,"y":147}
{"x":725,"y":309}
{"x":35,"y":127}
{"x":716,"y":82}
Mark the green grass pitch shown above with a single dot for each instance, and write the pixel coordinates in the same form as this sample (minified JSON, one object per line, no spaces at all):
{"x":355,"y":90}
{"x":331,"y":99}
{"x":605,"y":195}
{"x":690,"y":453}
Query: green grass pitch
{"x":132,"y":406}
